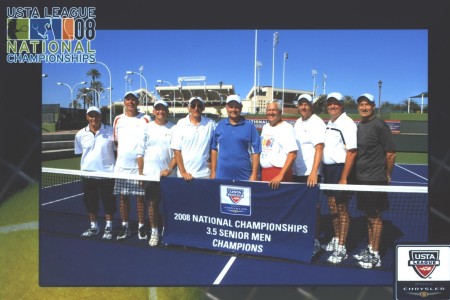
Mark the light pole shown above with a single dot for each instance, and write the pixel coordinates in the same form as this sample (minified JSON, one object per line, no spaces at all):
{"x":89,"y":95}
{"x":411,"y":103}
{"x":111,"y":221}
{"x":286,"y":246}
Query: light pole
{"x":379,"y":96}
{"x":44,"y":75}
{"x":161,"y":81}
{"x":324,"y":79}
{"x":71,"y":90}
{"x":275,"y":42}
{"x":146,"y":90}
{"x":99,"y":94}
{"x":314,"y":73}
{"x":110,"y":88}
{"x":285,"y":57}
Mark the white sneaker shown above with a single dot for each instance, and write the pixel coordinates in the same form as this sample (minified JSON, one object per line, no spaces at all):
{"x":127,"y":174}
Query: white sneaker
{"x":332,"y":245}
{"x":154,"y":239}
{"x":338,"y":256}
{"x":90,"y":232}
{"x":107,"y":235}
{"x":370,"y":261}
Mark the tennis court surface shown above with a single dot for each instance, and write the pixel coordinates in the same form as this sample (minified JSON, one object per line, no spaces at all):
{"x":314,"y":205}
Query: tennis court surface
{"x":68,"y":260}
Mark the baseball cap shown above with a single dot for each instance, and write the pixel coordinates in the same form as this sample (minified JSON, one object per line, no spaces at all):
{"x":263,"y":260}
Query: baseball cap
{"x":337,"y":96}
{"x":367,"y":96}
{"x":304,"y":97}
{"x":234,"y":98}
{"x":160,"y":102}
{"x":196,"y":98}
{"x":135,"y":94}
{"x":93,"y":108}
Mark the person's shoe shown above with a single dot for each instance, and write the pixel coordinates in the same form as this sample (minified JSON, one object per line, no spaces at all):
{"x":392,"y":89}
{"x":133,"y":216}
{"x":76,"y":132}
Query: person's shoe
{"x":90,"y":232}
{"x":124,"y":233}
{"x":331,"y":246}
{"x":107,"y":235}
{"x":141,"y":233}
{"x":363,"y":253}
{"x":338,"y":256}
{"x":316,"y":246}
{"x":370,"y":261}
{"x":154,"y":239}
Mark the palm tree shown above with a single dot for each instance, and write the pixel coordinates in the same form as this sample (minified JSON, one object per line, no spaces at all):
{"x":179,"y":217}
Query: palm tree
{"x":94,"y":74}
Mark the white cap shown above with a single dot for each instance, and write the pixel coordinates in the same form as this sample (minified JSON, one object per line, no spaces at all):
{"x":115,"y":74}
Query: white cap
{"x":93,"y":108}
{"x":337,"y":96}
{"x":196,"y":98}
{"x":305,"y":97}
{"x":236,"y":98}
{"x":160,"y":102}
{"x":135,"y":94}
{"x":367,"y":97}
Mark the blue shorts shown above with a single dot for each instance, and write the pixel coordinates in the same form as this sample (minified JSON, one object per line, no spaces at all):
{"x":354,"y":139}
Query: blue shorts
{"x":332,"y":174}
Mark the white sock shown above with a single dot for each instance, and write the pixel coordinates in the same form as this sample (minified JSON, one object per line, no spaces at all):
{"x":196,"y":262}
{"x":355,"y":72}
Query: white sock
{"x":125,"y":224}
{"x":109,"y":224}
{"x":94,"y":224}
{"x":141,"y":225}
{"x":154,"y":230}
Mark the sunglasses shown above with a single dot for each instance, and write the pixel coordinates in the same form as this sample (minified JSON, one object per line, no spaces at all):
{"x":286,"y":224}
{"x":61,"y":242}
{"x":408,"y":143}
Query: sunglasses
{"x":195,"y":105}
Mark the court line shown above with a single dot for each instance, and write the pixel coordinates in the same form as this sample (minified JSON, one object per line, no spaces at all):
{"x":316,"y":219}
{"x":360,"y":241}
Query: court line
{"x":412,"y":172}
{"x":152,"y":293}
{"x":225,"y":270}
{"x":19,"y":227}
{"x":62,"y":199}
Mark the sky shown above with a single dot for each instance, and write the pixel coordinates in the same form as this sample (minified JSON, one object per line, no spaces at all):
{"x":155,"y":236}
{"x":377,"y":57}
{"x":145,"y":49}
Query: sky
{"x":353,"y":61}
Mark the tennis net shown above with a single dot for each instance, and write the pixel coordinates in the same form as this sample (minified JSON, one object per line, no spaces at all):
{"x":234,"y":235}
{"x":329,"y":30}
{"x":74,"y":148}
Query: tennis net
{"x":404,"y":218}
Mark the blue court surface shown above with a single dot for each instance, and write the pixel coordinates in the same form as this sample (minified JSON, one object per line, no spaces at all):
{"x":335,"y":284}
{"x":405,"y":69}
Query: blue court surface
{"x":68,"y":260}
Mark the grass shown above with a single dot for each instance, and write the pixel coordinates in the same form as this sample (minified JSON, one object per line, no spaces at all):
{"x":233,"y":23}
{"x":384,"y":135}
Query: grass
{"x":411,"y":158}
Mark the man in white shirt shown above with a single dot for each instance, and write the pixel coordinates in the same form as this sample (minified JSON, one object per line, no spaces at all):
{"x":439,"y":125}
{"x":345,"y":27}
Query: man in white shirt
{"x":155,"y":159}
{"x":339,"y":155}
{"x":96,"y":145}
{"x":128,"y":128}
{"x":310,"y":136}
{"x":192,"y":141}
{"x":279,"y":148}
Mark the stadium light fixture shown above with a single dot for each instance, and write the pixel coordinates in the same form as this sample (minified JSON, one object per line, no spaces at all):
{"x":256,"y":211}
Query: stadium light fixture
{"x":146,"y":89}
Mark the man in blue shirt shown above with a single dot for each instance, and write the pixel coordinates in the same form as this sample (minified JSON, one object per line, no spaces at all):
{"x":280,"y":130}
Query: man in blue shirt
{"x":236,"y":145}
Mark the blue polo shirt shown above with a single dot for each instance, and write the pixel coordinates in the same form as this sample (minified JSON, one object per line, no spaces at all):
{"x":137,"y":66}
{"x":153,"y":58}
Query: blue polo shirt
{"x":235,"y":144}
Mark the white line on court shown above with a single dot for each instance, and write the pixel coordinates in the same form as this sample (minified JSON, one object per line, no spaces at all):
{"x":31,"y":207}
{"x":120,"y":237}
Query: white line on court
{"x":19,"y":227}
{"x":62,"y":199}
{"x":411,"y":172}
{"x":152,"y":293}
{"x":225,"y":270}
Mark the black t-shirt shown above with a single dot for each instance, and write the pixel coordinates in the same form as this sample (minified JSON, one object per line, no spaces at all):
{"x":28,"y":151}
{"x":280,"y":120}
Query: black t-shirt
{"x":374,"y":139}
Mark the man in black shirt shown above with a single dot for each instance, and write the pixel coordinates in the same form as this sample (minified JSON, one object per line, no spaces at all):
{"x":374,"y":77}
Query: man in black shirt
{"x":374,"y":163}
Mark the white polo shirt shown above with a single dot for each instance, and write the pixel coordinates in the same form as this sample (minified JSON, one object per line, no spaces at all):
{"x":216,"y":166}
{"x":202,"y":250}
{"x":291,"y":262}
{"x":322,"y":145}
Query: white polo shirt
{"x":127,"y":131}
{"x":154,"y":146}
{"x":194,"y":142}
{"x":308,"y":133}
{"x":340,"y":136}
{"x":277,"y":142}
{"x":97,"y":151}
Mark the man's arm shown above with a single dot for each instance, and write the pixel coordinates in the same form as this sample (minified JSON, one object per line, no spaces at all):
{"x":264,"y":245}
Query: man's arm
{"x":349,"y":162}
{"x":213,"y":163}
{"x":312,"y":178}
{"x":255,"y":167}
{"x":179,"y":159}
{"x":390,"y":161}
